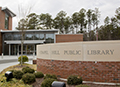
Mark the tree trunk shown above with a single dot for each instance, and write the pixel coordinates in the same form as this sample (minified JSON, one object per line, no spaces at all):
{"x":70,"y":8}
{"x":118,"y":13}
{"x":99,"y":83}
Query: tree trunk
{"x":22,"y":47}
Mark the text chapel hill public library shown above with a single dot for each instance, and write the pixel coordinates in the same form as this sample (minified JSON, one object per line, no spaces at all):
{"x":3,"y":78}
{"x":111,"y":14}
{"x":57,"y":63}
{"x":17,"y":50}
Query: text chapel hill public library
{"x":96,"y":61}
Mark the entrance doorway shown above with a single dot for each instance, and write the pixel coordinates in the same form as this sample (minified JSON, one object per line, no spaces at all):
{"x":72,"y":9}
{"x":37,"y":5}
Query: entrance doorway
{"x":28,"y":49}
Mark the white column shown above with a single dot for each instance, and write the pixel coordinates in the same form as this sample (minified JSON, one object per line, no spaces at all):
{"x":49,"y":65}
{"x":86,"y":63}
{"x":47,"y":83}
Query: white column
{"x":2,"y":56}
{"x":9,"y":49}
{"x":34,"y":48}
{"x":18,"y":48}
{"x":34,"y":52}
{"x":18,"y":51}
{"x":26,"y":48}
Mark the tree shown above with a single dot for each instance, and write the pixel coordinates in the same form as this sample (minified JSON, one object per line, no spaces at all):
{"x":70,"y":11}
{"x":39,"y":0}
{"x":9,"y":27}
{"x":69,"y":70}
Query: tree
{"x":32,"y":21}
{"x":45,"y":20}
{"x":22,"y":27}
{"x":89,"y":21}
{"x":108,"y":27}
{"x":59,"y":21}
{"x":67,"y":24}
{"x":97,"y":16}
{"x":89,"y":17}
{"x":22,"y":24}
{"x":118,"y":15}
{"x":107,"y":21}
{"x":82,"y":20}
{"x":75,"y":20}
{"x":93,"y":20}
{"x":115,"y":29}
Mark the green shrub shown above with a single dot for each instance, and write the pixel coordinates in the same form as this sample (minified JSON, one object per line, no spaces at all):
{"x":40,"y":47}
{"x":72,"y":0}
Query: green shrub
{"x":39,"y":75}
{"x":82,"y":86}
{"x":47,"y":82}
{"x":24,"y":59}
{"x":50,"y":76}
{"x":28,"y":70}
{"x":12,"y":70}
{"x":17,"y":74}
{"x":28,"y":78}
{"x":74,"y":80}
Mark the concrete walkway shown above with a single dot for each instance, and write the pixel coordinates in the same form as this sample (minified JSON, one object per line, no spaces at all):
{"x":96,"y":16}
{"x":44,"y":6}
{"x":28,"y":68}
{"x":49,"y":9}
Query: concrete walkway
{"x":15,"y":57}
{"x":7,"y":61}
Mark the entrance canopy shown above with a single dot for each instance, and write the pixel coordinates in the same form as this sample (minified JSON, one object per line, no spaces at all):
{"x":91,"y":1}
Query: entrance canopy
{"x":25,"y":41}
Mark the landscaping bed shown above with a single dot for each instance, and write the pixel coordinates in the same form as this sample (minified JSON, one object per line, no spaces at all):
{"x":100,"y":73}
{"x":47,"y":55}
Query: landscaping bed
{"x":38,"y":81}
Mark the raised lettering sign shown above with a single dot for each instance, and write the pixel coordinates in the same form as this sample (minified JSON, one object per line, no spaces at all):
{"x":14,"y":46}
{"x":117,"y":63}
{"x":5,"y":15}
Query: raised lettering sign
{"x":43,"y":52}
{"x":56,"y":52}
{"x":100,"y":52}
{"x":72,"y":52}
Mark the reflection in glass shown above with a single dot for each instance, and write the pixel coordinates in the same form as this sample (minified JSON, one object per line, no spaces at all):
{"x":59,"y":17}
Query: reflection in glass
{"x":49,"y":38}
{"x":16,"y":37}
{"x":29,"y":36}
{"x":41,"y":36}
{"x":6,"y":21}
{"x":8,"y":36}
{"x":36,"y":36}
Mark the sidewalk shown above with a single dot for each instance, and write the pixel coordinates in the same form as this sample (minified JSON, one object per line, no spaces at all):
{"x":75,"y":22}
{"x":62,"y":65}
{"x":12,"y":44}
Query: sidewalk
{"x":7,"y":61}
{"x":7,"y":57}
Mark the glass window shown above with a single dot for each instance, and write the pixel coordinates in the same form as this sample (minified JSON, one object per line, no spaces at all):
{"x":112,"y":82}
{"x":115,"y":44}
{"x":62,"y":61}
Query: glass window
{"x":49,"y":38}
{"x":6,"y":21}
{"x":29,"y":36}
{"x":41,"y":36}
{"x":37,"y":37}
{"x":8,"y":36}
{"x":16,"y":37}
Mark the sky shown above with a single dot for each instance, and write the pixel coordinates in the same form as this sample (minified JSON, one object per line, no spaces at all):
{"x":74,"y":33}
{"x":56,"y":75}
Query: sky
{"x":106,"y":7}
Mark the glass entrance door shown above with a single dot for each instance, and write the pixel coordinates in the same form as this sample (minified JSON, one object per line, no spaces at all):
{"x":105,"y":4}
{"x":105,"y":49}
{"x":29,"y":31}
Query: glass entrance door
{"x":29,"y":49}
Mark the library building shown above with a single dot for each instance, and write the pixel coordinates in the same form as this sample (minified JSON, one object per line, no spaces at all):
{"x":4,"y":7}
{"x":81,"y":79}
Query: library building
{"x":10,"y":40}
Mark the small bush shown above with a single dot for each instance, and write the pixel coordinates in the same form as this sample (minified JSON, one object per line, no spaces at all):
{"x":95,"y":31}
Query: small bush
{"x":28,"y":78}
{"x":39,"y":75}
{"x":17,"y":74}
{"x":47,"y":82}
{"x":74,"y":80}
{"x":82,"y":86}
{"x":50,"y":76}
{"x":12,"y":70}
{"x":28,"y":70}
{"x":24,"y":59}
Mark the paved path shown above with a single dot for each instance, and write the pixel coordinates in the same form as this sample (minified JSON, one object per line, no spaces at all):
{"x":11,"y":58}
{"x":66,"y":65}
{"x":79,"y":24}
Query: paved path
{"x":7,"y":61}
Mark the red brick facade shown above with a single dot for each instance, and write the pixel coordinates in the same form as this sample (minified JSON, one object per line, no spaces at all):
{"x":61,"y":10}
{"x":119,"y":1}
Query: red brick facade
{"x":2,"y":21}
{"x":0,"y":43}
{"x":69,"y":38}
{"x":88,"y":70}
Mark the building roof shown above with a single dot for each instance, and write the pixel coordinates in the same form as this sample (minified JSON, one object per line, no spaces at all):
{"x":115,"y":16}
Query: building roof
{"x":49,"y":30}
{"x":25,"y":41}
{"x":10,"y":13}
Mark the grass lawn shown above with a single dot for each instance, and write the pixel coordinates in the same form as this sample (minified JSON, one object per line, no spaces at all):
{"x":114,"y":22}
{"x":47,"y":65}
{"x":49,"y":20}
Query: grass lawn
{"x":14,"y":82}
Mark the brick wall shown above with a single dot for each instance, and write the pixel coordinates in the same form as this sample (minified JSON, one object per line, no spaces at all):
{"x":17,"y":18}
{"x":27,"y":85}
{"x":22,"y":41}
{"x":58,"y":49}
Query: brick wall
{"x":10,"y":23}
{"x":0,"y":43}
{"x":89,"y":71}
{"x":2,"y":20}
{"x":69,"y":38}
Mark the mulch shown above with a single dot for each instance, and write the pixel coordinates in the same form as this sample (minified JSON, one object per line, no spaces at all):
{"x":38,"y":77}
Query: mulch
{"x":39,"y":81}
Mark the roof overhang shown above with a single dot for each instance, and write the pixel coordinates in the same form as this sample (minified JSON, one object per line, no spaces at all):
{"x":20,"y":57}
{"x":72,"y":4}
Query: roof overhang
{"x":33,"y":30}
{"x":25,"y":42}
{"x":10,"y":13}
